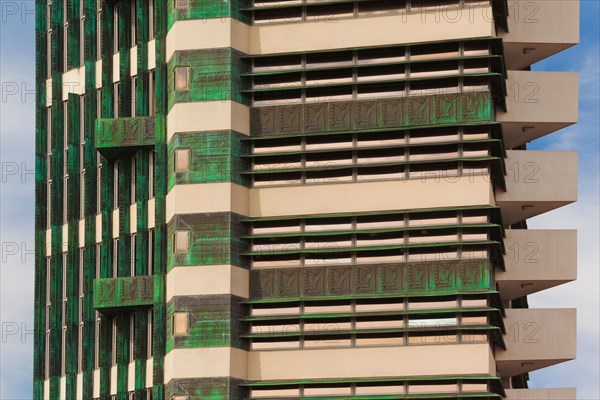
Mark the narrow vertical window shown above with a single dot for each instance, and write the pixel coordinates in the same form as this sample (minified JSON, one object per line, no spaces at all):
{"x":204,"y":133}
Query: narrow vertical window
{"x":116,"y":185}
{"x":65,"y":199}
{"x":182,"y":78}
{"x":114,"y":341}
{"x":97,"y":342}
{"x":81,"y":33}
{"x":131,"y":337}
{"x":150,"y":251}
{"x":115,"y":264}
{"x":116,"y":29}
{"x":99,"y":32}
{"x":133,"y":24}
{"x":133,"y":255}
{"x":150,"y":335}
{"x":182,"y":160}
{"x":98,"y":183}
{"x":151,"y":94}
{"x":65,"y":37}
{"x":150,"y":20}
{"x":151,"y":174}
{"x":49,"y":53}
{"x":98,"y":103}
{"x":116,"y":91}
{"x":63,"y":350}
{"x":182,"y":241}
{"x":180,"y":324}
{"x":134,"y":84}
{"x":133,"y":181}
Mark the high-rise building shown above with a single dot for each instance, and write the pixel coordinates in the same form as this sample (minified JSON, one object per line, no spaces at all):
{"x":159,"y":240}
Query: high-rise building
{"x":300,"y":199}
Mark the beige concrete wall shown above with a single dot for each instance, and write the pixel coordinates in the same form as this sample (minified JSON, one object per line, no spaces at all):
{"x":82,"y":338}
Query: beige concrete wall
{"x":370,"y":196}
{"x":541,"y":394}
{"x":73,"y":81}
{"x":539,"y":29}
{"x":538,"y":103}
{"x":207,"y":197}
{"x":536,"y":260}
{"x":207,"y":280}
{"x":463,"y":359}
{"x":206,"y":363}
{"x":537,"y":338}
{"x":329,"y":198}
{"x":81,"y":236}
{"x":320,"y":35}
{"x":208,"y":116}
{"x":537,"y":182}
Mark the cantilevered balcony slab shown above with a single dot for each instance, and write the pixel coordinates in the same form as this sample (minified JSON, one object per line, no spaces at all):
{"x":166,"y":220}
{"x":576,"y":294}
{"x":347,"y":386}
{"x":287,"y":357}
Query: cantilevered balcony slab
{"x":539,"y":29}
{"x":537,"y":182}
{"x":124,"y":293}
{"x":536,"y":260}
{"x":538,"y":103}
{"x":536,"y":338}
{"x":118,"y":135}
{"x":542,"y":394}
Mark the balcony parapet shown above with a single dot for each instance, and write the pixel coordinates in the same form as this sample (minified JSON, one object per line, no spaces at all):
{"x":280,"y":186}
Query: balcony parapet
{"x":120,"y":294}
{"x":118,"y":135}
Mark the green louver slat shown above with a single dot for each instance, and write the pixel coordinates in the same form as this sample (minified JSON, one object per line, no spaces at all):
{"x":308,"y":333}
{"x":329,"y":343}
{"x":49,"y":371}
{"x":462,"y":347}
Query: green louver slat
{"x":378,"y":82}
{"x":332,"y":249}
{"x":495,"y":209}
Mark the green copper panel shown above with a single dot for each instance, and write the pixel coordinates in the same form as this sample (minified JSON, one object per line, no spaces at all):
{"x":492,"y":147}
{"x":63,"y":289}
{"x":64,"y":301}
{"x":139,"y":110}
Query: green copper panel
{"x":214,"y":239}
{"x":353,"y":280}
{"x":213,"y":157}
{"x":114,"y":133}
{"x":213,"y":75}
{"x":214,"y":321}
{"x":208,"y":9}
{"x":114,"y":293}
{"x":207,"y":388}
{"x":364,"y":115}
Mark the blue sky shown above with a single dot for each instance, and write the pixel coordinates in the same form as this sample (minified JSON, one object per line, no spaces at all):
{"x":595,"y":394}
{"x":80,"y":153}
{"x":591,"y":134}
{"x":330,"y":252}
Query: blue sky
{"x":17,"y":65}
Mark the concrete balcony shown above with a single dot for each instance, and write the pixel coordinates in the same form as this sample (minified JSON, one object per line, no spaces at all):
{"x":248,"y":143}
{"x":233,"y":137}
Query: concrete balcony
{"x":539,"y":29}
{"x":537,"y":338}
{"x":123,"y":293}
{"x":541,"y":394}
{"x":536,"y":260}
{"x":538,"y":103}
{"x":537,"y":182}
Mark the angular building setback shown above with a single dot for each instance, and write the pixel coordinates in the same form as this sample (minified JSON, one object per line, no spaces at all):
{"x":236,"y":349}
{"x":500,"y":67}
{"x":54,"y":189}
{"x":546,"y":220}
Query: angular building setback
{"x":300,"y":199}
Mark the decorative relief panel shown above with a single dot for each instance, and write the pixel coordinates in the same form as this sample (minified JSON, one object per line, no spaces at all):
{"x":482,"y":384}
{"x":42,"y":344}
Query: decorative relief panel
{"x":372,"y":114}
{"x":113,"y":293}
{"x":405,"y":279}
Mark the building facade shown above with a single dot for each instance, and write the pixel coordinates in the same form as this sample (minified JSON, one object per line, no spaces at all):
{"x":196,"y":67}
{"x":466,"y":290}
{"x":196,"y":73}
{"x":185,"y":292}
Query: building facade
{"x":300,"y":199}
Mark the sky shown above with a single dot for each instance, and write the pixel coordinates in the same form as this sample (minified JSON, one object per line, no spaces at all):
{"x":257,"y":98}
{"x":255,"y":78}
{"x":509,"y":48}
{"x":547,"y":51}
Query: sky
{"x":17,"y":128}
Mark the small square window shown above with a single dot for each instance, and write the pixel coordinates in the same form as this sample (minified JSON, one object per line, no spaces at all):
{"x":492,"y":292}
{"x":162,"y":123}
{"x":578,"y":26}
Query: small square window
{"x":180,"y":323}
{"x":182,"y":3}
{"x":182,"y":241}
{"x":182,"y":160}
{"x":182,"y":78}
